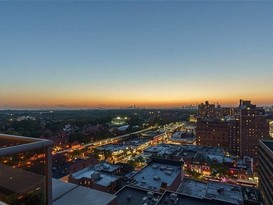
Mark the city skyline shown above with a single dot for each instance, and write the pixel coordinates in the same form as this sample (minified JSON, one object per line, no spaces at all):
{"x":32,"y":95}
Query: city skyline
{"x":148,"y":54}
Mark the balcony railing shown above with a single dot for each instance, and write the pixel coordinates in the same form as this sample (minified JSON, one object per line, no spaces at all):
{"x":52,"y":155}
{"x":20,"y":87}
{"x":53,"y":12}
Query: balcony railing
{"x":25,"y":170}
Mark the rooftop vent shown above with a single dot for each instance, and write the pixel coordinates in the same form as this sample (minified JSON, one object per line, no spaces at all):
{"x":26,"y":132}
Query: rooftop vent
{"x":96,"y":176}
{"x":156,"y":178}
{"x":106,"y":166}
{"x":144,"y":198}
{"x":150,"y":194}
{"x":174,"y":198}
{"x":155,"y":200}
{"x":220,"y":190}
{"x":162,"y":168}
{"x":143,"y":182}
{"x":155,"y":166}
{"x":169,"y":169}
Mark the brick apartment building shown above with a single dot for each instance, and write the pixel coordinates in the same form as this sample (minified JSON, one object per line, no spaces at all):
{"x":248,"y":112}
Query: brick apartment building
{"x":238,"y":134}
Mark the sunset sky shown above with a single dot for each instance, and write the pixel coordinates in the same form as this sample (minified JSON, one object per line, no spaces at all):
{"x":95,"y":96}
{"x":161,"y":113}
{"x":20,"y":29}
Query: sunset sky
{"x":85,"y":54}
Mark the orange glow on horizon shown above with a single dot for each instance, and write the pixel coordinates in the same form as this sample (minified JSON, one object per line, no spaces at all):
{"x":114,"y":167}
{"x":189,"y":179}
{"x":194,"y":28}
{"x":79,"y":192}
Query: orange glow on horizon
{"x":145,"y":97}
{"x":45,"y":102}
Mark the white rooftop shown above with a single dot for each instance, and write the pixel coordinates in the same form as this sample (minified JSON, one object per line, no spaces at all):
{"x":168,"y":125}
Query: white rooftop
{"x":193,"y":188}
{"x":106,"y":167}
{"x":211,"y":190}
{"x":105,"y":180}
{"x":152,"y":176}
{"x":229,"y":193}
{"x":71,"y":194}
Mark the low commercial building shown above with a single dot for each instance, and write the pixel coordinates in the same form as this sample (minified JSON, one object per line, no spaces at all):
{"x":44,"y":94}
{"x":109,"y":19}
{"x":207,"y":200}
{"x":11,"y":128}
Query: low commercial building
{"x":136,"y":196}
{"x":183,"y":138}
{"x":71,"y":194}
{"x":222,"y":193}
{"x":99,"y":177}
{"x":160,"y":175}
{"x":162,"y":150}
{"x":199,"y":158}
{"x":170,"y":198}
{"x":80,"y":164}
{"x":114,"y":152}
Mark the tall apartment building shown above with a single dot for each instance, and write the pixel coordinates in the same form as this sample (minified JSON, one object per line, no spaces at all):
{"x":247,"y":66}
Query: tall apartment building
{"x":265,"y":170}
{"x":253,"y":126}
{"x":206,"y":110}
{"x":211,"y":111}
{"x":212,"y":133}
{"x":234,"y":136}
{"x":229,"y":111}
{"x":239,"y":135}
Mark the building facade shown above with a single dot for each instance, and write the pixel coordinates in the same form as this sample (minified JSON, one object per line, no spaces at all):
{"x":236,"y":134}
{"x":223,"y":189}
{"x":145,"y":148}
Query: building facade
{"x":265,"y":170}
{"x":239,"y":134}
{"x":212,"y":133}
{"x":206,"y":110}
{"x":253,"y":126}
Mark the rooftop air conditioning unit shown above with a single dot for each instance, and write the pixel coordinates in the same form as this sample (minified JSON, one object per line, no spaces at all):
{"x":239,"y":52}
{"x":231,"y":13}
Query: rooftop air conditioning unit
{"x":150,"y":194}
{"x":95,"y":176}
{"x":173,"y":197}
{"x":106,"y":166}
{"x":143,"y":182}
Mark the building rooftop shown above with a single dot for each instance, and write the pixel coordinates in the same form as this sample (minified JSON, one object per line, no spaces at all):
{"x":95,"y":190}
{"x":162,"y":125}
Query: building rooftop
{"x":229,"y":159}
{"x":193,"y":188}
{"x":136,"y":196}
{"x":138,"y":142}
{"x":162,"y":149}
{"x":187,"y":153}
{"x":251,"y":195}
{"x":170,"y":198}
{"x":183,"y":137}
{"x":105,"y":167}
{"x":152,"y":176}
{"x":222,"y":192}
{"x":71,"y":194}
{"x":216,"y":158}
{"x":105,"y":179}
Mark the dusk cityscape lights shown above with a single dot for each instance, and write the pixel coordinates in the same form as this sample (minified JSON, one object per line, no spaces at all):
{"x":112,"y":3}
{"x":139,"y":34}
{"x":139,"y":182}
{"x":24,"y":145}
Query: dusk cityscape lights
{"x":136,"y":102}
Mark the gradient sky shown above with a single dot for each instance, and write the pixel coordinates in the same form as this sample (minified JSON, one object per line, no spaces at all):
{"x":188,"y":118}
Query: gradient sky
{"x":84,"y":54}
